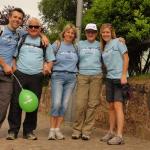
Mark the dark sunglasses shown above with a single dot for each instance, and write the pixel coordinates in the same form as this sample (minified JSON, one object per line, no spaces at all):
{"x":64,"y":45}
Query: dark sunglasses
{"x":35,"y":27}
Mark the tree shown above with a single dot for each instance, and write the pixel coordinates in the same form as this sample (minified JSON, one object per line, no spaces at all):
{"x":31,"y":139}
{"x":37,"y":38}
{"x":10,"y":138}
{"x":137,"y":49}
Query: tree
{"x":131,"y":19}
{"x":56,"y":13}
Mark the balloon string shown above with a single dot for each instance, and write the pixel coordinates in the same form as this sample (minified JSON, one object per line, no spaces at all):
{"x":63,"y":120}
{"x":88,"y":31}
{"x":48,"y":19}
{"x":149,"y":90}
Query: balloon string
{"x":18,"y":81}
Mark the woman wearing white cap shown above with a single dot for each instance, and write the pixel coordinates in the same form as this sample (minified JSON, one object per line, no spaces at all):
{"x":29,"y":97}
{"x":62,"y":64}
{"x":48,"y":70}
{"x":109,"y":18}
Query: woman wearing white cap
{"x":88,"y":84}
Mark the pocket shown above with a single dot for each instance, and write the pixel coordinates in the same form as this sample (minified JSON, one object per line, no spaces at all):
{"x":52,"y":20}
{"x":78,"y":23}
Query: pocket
{"x":74,"y":76}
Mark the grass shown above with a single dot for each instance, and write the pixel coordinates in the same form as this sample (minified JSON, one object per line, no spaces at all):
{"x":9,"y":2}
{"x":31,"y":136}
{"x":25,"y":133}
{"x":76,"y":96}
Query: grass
{"x":143,"y":77}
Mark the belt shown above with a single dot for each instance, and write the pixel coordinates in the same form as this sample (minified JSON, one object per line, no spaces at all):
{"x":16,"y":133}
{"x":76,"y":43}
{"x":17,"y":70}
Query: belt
{"x":64,"y":71}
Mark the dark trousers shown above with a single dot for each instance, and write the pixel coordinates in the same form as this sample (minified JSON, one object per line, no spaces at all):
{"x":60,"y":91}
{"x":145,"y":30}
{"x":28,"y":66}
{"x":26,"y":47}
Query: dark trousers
{"x":30,"y":82}
{"x":5,"y":95}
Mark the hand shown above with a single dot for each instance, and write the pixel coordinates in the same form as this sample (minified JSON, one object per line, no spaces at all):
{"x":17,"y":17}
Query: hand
{"x":122,"y":40}
{"x":123,"y":79}
{"x":46,"y":69}
{"x":45,"y":40}
{"x":7,"y":69}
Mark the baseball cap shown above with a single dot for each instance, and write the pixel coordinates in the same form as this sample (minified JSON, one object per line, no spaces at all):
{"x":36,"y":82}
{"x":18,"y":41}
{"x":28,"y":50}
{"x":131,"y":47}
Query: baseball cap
{"x":91,"y":26}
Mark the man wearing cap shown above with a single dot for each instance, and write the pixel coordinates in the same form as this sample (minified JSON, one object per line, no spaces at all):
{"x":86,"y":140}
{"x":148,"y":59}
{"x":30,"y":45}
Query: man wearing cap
{"x":88,"y":84}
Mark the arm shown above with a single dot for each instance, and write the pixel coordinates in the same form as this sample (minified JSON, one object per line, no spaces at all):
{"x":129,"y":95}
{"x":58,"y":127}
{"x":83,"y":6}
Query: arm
{"x":45,"y":40}
{"x":47,"y":67}
{"x":6,"y":68}
{"x":125,"y":68}
{"x":14,"y":66}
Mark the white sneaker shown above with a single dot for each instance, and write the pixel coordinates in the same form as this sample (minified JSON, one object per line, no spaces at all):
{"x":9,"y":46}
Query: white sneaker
{"x":51,"y":135}
{"x":59,"y":135}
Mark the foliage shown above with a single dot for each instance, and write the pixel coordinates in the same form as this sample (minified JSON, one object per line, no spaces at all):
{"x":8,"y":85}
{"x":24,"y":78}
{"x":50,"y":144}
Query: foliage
{"x":140,"y":77}
{"x":56,"y":13}
{"x":131,"y":19}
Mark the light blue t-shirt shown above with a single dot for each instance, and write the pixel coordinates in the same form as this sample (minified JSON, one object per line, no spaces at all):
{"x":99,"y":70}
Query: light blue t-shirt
{"x":113,"y":58}
{"x":30,"y":59}
{"x":8,"y":43}
{"x":89,"y":58}
{"x":66,"y":57}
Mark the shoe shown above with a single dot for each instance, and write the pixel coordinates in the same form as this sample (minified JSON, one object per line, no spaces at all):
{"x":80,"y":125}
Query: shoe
{"x":51,"y":135}
{"x":59,"y":135}
{"x":11,"y":136}
{"x":107,"y":137}
{"x":30,"y":136}
{"x":85,"y":137}
{"x":76,"y":136}
{"x":116,"y":140}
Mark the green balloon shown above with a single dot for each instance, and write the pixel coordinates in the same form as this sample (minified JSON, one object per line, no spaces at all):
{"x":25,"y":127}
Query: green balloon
{"x":28,"y":101}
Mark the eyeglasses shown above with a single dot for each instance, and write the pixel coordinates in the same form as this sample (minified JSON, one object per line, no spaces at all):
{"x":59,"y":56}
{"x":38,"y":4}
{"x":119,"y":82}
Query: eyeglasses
{"x":35,"y":27}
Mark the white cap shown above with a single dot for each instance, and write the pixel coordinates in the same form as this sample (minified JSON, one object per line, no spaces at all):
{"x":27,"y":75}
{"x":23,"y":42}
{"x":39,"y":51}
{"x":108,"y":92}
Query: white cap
{"x":91,"y":26}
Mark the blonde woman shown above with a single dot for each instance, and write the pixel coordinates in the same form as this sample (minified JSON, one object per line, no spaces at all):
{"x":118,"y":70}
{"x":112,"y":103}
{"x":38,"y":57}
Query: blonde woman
{"x":63,"y":79}
{"x":115,"y":57}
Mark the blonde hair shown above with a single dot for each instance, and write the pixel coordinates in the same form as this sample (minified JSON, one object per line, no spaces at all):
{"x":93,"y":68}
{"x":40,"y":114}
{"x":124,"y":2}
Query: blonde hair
{"x":68,"y":27}
{"x":113,"y":34}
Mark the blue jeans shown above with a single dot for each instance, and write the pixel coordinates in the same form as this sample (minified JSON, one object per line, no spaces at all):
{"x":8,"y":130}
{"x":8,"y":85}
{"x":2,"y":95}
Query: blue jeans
{"x":62,"y":86}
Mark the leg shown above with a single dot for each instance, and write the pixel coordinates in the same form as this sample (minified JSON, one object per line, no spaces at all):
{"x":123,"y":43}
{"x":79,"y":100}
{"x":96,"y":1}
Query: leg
{"x":93,"y":102}
{"x":14,"y":116}
{"x":119,"y":117}
{"x":53,"y":121}
{"x":112,"y":113}
{"x":110,"y":89}
{"x":56,"y":93}
{"x":34,"y":83}
{"x":59,"y":121}
{"x":112,"y":117}
{"x":81,"y":103}
{"x":5,"y":96}
{"x":68,"y":89}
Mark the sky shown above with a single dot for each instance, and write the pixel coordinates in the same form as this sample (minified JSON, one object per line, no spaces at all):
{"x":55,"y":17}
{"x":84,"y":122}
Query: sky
{"x":29,"y":6}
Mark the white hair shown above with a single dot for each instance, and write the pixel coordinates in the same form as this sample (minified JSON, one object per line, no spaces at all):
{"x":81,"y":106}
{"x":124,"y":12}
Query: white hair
{"x":35,"y":20}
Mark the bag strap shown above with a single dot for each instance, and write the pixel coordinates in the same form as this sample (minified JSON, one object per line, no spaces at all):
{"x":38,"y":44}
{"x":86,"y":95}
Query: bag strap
{"x":21,"y":42}
{"x":58,"y":44}
{"x":1,"y":29}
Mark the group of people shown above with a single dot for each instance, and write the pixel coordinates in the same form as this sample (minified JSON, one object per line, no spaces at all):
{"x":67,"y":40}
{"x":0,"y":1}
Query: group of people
{"x":23,"y":54}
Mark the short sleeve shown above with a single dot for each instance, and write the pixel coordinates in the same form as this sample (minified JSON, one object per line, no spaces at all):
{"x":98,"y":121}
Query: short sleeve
{"x":50,"y":53}
{"x":121,"y":47}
